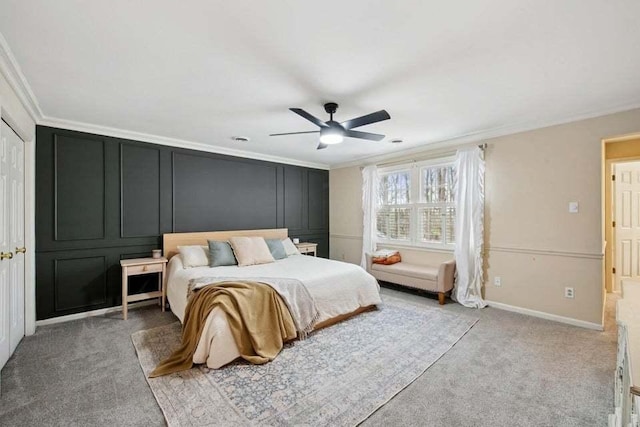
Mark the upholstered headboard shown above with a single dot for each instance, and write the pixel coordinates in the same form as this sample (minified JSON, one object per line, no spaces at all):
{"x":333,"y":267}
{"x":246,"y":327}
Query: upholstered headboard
{"x":171,"y":241}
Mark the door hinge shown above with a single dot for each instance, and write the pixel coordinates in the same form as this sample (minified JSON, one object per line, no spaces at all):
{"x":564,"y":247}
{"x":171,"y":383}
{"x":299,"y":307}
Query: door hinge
{"x":613,"y":177}
{"x":614,"y":270}
{"x":613,"y":224}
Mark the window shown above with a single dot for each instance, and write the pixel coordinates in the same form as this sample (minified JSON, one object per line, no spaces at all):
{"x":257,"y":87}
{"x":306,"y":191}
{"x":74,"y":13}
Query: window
{"x":394,"y":214}
{"x":417,"y":205}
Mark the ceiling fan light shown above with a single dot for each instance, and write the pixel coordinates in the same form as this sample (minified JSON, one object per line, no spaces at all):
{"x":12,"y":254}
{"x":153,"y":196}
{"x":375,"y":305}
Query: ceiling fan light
{"x":331,"y":136}
{"x":331,"y":139}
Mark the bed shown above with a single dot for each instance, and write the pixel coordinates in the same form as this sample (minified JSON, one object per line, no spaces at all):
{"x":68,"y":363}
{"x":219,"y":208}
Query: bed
{"x":340,"y":290}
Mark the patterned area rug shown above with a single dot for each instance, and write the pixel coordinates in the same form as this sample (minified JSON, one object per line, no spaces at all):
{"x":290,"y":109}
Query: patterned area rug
{"x":337,"y":377}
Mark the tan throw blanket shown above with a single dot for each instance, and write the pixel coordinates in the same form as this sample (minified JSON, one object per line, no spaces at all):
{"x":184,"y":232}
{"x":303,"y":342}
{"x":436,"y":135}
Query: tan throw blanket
{"x":259,"y":320}
{"x":294,"y":293}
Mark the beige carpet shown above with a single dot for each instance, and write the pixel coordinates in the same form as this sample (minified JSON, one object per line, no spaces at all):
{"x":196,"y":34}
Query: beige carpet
{"x":337,"y":377}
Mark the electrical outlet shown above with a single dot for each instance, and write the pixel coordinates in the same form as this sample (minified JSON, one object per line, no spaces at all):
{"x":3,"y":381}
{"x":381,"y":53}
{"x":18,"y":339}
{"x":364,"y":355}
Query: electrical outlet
{"x":569,"y":293}
{"x":497,"y":281}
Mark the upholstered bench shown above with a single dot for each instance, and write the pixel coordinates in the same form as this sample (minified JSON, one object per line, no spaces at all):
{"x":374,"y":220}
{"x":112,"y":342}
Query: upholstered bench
{"x":429,"y":271}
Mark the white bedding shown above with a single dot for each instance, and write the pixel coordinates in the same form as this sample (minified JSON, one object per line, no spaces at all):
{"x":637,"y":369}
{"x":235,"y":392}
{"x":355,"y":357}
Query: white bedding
{"x":337,"y":288}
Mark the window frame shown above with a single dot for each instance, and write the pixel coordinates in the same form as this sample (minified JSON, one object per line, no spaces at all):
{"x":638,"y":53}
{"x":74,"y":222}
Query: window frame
{"x":417,"y":202}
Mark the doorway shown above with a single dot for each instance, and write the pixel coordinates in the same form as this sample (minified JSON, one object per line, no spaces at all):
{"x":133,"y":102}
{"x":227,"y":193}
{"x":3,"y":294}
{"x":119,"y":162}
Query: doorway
{"x":620,"y":210}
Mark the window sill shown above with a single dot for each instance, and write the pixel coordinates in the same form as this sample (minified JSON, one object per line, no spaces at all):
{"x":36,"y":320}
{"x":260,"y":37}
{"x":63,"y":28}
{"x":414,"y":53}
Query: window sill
{"x":420,"y":248}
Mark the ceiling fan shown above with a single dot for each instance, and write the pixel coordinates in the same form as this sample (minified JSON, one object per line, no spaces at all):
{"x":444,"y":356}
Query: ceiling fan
{"x":332,"y":132}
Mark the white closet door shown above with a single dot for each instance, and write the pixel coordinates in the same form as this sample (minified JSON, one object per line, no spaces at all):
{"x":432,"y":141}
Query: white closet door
{"x":16,"y":238}
{"x":11,"y":241}
{"x":5,"y":303}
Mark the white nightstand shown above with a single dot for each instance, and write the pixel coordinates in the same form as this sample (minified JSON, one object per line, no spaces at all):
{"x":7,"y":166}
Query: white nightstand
{"x":307,"y":248}
{"x":137,"y":266}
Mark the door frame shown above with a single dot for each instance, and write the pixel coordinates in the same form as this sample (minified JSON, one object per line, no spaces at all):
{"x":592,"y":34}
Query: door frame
{"x":617,"y":149}
{"x":612,"y":210}
{"x":28,"y":137}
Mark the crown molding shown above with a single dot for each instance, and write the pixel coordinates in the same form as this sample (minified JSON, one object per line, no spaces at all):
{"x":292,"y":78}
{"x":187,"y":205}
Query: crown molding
{"x":430,"y":147}
{"x":483,"y":135}
{"x":172,"y":142}
{"x":11,"y":71}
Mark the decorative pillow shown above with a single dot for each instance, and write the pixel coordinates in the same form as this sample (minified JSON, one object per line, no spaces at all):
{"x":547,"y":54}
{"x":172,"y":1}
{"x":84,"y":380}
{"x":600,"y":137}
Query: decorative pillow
{"x":386,"y":257}
{"x":276,"y":248}
{"x":220,"y":253}
{"x":289,"y":247}
{"x":194,"y":256}
{"x":250,"y":251}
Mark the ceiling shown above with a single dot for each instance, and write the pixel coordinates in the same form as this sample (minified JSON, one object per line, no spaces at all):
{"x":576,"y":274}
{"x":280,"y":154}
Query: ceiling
{"x":204,"y":70}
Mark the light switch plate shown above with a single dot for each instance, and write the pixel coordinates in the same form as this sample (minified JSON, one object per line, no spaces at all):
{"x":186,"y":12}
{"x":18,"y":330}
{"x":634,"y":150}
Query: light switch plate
{"x":573,"y":207}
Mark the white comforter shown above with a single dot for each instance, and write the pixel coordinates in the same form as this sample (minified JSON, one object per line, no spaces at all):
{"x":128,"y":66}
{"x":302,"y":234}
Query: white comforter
{"x":337,"y":288}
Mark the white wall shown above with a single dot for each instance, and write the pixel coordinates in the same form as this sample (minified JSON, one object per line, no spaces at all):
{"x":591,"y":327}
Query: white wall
{"x":532,"y":241}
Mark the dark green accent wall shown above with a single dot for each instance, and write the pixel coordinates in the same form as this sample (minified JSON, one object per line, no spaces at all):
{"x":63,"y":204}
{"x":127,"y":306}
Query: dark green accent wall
{"x":101,"y":199}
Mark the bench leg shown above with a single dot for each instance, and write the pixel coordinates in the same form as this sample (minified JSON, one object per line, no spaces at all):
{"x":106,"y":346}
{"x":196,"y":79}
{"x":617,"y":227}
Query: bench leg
{"x":441,"y":297}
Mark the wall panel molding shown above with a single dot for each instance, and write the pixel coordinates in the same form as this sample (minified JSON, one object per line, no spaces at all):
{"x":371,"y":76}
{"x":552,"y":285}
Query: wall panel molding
{"x":135,"y":192}
{"x":345,"y":236}
{"x":74,"y":173}
{"x":139,"y":196}
{"x":546,"y":252}
{"x":317,"y":201}
{"x":213,"y":193}
{"x":70,"y":274}
{"x":293,"y":187}
{"x":507,"y":249}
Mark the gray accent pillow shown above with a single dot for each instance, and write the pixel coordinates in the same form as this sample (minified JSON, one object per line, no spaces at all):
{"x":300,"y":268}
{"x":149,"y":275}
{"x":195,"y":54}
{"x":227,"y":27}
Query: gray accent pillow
{"x":276,"y":248}
{"x":220,"y":253}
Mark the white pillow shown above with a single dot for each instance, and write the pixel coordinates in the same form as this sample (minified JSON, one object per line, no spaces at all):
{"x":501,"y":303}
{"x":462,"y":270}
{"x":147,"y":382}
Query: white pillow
{"x":194,"y":256}
{"x":289,"y":247}
{"x":251,"y":251}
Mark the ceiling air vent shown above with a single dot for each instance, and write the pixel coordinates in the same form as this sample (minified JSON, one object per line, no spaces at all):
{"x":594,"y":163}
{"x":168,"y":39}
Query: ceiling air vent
{"x":241,"y":138}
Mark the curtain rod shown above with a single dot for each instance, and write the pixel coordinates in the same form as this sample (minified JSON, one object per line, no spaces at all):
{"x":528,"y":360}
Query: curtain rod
{"x":441,"y":154}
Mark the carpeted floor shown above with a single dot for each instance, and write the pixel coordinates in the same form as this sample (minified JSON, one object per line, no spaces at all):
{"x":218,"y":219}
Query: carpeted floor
{"x":509,"y":370}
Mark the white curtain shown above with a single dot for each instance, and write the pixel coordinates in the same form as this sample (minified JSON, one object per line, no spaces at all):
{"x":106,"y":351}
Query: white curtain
{"x":469,"y":228}
{"x":369,"y":208}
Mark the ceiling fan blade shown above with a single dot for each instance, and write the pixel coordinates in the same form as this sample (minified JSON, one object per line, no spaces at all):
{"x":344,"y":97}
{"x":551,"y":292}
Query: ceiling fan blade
{"x":321,"y":146}
{"x":312,"y":119}
{"x":294,"y":133}
{"x":378,"y":116}
{"x":363,"y":135}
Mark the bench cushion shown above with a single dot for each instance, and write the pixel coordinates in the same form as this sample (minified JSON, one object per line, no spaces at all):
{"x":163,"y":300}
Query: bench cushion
{"x":410,"y":270}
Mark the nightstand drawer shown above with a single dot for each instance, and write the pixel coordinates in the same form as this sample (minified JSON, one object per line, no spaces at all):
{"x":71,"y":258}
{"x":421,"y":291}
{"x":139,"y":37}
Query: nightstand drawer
{"x":144,"y":269}
{"x":307,"y":248}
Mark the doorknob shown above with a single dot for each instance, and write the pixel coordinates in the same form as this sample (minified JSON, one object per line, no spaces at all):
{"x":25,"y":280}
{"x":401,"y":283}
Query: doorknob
{"x":21,"y":250}
{"x":6,"y":255}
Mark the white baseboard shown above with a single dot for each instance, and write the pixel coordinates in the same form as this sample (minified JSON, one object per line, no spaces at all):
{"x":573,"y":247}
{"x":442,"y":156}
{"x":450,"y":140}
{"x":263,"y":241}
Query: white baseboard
{"x":548,"y":316}
{"x":92,"y":313}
